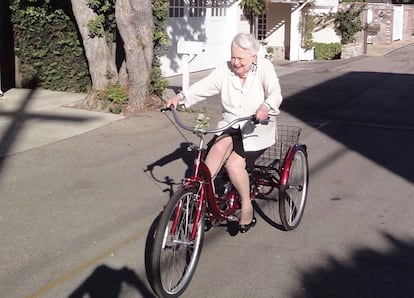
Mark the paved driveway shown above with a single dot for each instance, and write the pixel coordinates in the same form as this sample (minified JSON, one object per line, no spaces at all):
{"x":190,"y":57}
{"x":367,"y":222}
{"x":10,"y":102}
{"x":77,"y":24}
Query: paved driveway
{"x":75,"y":214}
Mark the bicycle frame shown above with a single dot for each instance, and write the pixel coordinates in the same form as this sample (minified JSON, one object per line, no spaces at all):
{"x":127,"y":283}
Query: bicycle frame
{"x":202,"y":180}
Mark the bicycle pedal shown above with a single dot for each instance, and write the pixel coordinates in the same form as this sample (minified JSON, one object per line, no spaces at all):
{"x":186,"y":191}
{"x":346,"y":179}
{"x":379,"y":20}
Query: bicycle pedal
{"x":207,"y":225}
{"x":232,"y":218}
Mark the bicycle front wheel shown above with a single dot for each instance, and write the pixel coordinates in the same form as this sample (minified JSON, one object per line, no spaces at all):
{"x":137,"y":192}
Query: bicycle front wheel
{"x":292,"y":196}
{"x":175,"y":255}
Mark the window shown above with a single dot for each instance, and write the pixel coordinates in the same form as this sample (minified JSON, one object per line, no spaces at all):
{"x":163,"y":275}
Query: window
{"x":197,"y":8}
{"x":176,"y":9}
{"x":218,"y":8}
{"x":261,"y":27}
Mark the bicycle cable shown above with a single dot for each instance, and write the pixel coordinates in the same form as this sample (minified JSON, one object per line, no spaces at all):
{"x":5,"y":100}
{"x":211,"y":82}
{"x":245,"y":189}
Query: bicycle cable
{"x":179,"y":130}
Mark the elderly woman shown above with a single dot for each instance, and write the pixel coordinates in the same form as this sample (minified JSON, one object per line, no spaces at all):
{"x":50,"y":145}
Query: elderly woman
{"x":248,"y":85}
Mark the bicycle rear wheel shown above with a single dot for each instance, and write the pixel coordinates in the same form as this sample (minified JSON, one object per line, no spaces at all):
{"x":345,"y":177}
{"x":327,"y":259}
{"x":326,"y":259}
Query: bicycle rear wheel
{"x":175,"y":256}
{"x":293,"y":195}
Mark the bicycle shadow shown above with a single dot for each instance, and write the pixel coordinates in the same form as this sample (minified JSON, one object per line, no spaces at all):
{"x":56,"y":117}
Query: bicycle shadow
{"x":183,"y":153}
{"x":106,"y":282}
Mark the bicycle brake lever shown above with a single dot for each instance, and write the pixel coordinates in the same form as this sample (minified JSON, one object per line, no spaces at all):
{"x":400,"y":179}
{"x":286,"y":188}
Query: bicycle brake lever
{"x":265,"y":122}
{"x":256,"y":121}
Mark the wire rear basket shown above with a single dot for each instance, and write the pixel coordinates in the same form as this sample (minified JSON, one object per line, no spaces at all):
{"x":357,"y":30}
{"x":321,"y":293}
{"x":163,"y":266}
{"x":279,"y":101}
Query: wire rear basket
{"x":286,"y":136}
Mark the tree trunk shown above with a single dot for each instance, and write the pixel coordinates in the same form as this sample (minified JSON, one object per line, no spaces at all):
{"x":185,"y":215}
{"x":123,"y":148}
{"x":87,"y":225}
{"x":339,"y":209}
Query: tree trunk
{"x":136,"y":27}
{"x":101,"y":58}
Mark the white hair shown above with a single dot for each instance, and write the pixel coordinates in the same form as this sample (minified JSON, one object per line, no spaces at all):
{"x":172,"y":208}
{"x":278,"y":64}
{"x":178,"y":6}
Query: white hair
{"x":246,"y":41}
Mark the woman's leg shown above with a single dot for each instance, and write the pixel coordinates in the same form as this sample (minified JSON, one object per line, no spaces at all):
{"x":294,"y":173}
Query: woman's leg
{"x":236,"y":168}
{"x":218,"y":154}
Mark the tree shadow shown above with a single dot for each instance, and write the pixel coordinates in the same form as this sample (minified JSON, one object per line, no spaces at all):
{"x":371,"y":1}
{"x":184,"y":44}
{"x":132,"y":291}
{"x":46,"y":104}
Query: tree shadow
{"x":368,"y":112}
{"x":369,"y":273}
{"x":106,"y":282}
{"x":16,"y":120}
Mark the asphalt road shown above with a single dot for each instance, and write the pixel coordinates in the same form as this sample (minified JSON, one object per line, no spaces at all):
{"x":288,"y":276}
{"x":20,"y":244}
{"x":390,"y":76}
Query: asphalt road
{"x":75,"y":214}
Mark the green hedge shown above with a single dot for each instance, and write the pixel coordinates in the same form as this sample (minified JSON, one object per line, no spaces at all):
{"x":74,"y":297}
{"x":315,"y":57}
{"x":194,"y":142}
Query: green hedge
{"x":327,"y":51}
{"x":48,"y":47}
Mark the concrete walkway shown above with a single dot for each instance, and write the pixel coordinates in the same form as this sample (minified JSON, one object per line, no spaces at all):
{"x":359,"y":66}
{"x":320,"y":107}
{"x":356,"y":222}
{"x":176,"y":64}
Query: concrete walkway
{"x":34,"y":118}
{"x":383,"y":50}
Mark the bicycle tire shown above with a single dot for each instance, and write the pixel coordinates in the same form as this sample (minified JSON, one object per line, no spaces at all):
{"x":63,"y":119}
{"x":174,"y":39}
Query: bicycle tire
{"x":174,"y":258}
{"x":293,"y":194}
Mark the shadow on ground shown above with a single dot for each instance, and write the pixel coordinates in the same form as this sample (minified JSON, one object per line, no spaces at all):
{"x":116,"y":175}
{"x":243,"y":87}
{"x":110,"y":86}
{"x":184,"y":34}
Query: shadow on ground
{"x":370,"y":113}
{"x":368,"y":273}
{"x":17,"y":120}
{"x":106,"y":282}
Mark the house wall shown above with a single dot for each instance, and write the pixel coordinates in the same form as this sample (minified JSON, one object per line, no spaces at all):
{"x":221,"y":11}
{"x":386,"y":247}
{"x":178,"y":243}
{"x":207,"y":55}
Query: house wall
{"x":408,"y":29}
{"x":281,"y":27}
{"x":277,"y":22}
{"x":215,"y":32}
{"x":325,"y":6}
{"x":325,"y":31}
{"x":326,"y":35}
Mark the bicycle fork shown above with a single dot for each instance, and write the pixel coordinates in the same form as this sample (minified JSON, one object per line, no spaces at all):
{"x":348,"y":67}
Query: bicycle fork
{"x":184,"y":212}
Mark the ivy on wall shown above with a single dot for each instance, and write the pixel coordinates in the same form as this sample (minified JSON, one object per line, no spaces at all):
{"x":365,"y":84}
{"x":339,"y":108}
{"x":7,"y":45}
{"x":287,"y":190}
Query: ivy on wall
{"x":48,"y":47}
{"x":348,"y":23}
{"x":307,"y":26}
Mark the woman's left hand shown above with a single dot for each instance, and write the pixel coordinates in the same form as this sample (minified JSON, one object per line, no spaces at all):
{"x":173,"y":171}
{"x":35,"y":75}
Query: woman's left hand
{"x":262,"y":113}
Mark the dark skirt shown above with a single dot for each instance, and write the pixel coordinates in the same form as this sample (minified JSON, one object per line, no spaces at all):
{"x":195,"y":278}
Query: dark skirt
{"x":235,"y":133}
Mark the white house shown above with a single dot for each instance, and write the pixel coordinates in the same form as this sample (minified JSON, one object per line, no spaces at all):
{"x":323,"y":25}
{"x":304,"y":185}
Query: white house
{"x":212,"y":24}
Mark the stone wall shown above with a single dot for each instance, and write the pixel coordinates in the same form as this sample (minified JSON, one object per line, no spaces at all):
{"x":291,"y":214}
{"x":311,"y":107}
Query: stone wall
{"x":279,"y":53}
{"x":383,"y":18}
{"x":408,"y":29}
{"x":352,"y":50}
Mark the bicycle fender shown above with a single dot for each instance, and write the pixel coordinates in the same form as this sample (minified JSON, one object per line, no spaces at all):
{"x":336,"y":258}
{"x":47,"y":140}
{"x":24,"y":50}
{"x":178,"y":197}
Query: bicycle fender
{"x":284,"y":175}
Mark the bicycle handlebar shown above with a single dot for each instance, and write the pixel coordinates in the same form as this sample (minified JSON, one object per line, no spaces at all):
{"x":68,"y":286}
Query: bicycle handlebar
{"x":206,"y":131}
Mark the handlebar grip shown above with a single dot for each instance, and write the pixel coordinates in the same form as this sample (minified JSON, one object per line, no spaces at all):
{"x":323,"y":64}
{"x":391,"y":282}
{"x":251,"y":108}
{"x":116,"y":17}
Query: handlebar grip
{"x":165,"y":109}
{"x":264,"y":122}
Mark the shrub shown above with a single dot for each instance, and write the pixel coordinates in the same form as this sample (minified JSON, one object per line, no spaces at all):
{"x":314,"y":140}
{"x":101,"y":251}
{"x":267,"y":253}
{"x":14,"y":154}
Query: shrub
{"x":48,"y":47}
{"x":113,"y":98}
{"x":348,"y":23}
{"x":327,"y":51}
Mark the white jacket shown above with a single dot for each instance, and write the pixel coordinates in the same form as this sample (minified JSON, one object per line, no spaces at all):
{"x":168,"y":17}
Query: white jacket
{"x":261,"y":85}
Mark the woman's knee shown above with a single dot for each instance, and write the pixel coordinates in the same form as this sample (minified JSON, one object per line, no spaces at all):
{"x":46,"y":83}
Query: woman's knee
{"x":220,"y":147}
{"x":235,"y":164}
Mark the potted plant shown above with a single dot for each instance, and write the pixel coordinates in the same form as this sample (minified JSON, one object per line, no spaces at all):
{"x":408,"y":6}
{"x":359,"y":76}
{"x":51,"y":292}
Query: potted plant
{"x":270,"y":53}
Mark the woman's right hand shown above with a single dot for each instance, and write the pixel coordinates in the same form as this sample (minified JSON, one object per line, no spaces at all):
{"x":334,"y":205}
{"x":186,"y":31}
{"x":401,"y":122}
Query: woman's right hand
{"x":173,"y":101}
